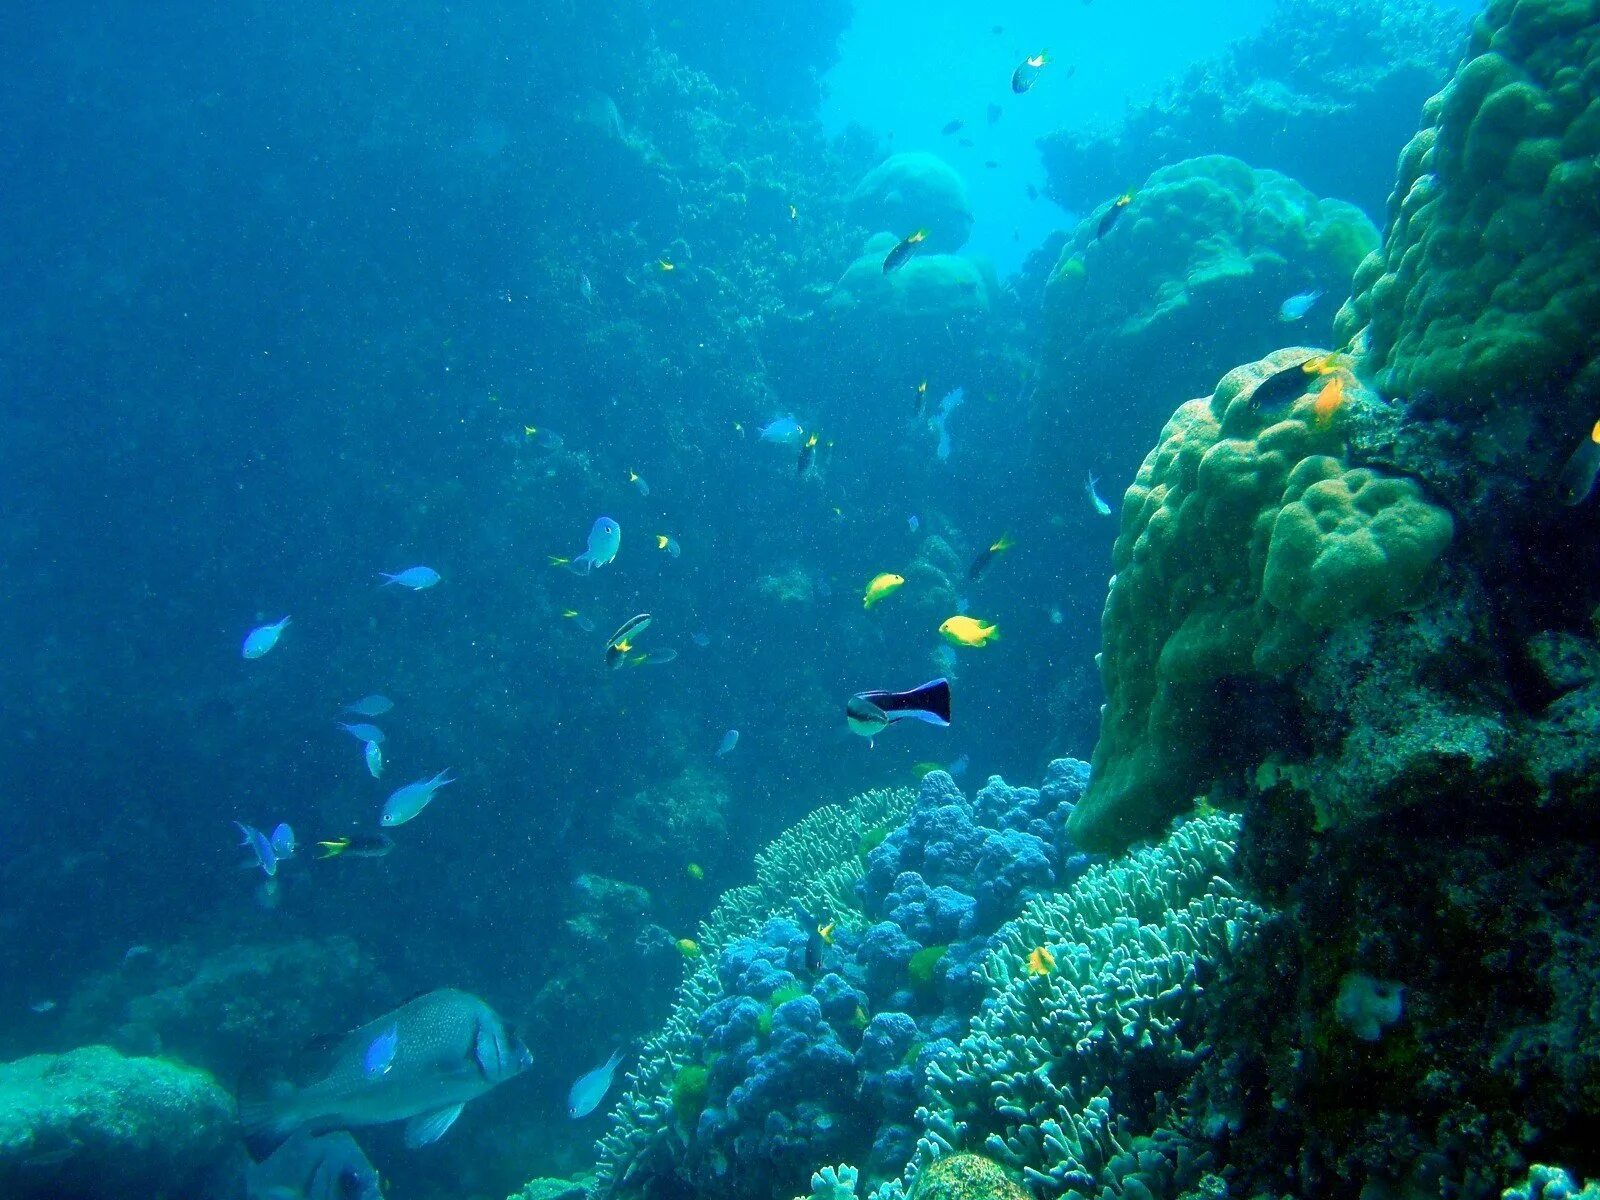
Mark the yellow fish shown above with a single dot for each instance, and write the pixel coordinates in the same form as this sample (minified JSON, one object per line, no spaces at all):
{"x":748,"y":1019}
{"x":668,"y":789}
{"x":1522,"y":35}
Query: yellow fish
{"x":881,"y":586}
{"x":689,"y":948}
{"x":695,"y":871}
{"x":1041,"y":961}
{"x":664,"y":266}
{"x":825,"y":932}
{"x":969,"y":631}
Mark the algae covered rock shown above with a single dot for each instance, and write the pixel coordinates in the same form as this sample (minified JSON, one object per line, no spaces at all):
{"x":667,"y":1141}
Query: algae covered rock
{"x":1193,"y":634}
{"x":92,"y":1123}
{"x":966,"y":1177}
{"x":1185,"y":284}
{"x":915,"y":190}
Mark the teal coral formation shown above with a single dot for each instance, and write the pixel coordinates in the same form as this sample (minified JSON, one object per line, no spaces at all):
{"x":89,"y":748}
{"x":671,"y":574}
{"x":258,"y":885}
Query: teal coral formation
{"x":1185,"y":285}
{"x":1062,"y":1071}
{"x":96,"y":1125}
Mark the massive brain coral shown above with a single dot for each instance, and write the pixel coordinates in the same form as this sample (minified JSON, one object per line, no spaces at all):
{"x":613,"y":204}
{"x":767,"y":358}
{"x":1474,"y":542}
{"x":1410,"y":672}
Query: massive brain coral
{"x":1242,"y":535}
{"x":1488,"y":282}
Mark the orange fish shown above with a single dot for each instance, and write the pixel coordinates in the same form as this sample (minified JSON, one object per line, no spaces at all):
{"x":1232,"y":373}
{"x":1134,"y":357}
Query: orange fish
{"x":1328,"y":402}
{"x":1041,"y":961}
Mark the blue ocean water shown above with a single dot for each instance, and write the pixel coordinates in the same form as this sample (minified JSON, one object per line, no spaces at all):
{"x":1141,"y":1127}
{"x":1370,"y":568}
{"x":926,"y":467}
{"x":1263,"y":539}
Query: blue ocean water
{"x":295,"y":296}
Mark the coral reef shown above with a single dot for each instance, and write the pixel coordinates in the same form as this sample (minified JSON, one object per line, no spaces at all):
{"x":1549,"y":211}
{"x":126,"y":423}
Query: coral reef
{"x":1242,"y":537}
{"x":928,"y":290}
{"x":1186,"y":284}
{"x":788,"y":1048}
{"x":1321,"y":93}
{"x":96,"y":1125}
{"x":1068,"y":1066}
{"x":1417,"y":788}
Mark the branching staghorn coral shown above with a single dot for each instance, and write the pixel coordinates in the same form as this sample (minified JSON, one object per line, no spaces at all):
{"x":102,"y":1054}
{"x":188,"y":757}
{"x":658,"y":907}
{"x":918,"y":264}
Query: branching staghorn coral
{"x":1063,"y":1073}
{"x":816,"y":864}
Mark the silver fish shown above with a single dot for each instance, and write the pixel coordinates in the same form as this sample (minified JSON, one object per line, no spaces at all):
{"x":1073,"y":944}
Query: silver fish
{"x":591,"y":1087}
{"x":450,"y":1047}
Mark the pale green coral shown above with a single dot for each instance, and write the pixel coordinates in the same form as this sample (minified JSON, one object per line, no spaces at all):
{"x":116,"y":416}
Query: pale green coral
{"x":1489,"y":277}
{"x":1189,"y":607}
{"x":1048,"y":1079}
{"x":1350,"y":543}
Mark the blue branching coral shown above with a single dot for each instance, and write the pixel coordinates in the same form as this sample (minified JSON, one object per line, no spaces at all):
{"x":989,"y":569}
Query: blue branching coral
{"x":770,"y":1066}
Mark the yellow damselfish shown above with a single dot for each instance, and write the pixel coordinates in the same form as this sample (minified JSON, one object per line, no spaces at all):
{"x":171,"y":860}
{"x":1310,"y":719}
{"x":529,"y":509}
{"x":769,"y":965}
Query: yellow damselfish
{"x":969,"y":631}
{"x":880,"y":586}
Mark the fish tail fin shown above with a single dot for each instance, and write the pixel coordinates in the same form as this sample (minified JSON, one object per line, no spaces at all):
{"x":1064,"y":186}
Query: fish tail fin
{"x":267,"y":1118}
{"x":1005,"y":543}
{"x":333,"y":849}
{"x":991,"y":633}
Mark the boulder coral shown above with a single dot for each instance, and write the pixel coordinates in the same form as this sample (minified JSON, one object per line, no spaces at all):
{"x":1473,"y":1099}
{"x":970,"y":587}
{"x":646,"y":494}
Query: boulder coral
{"x":1488,"y":281}
{"x":96,"y":1125}
{"x":1186,"y":284}
{"x":929,"y":289}
{"x":1242,"y":536}
{"x":911,"y":191}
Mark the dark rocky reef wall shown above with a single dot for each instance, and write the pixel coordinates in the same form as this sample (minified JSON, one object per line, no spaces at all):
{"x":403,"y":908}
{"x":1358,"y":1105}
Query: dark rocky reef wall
{"x":1321,"y":94}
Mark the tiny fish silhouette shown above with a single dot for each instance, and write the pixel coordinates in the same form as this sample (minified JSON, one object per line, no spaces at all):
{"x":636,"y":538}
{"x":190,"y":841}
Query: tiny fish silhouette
{"x":591,"y":1088}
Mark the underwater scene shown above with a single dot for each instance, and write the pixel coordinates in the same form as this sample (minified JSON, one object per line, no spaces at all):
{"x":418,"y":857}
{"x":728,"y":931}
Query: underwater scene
{"x":845,"y":601}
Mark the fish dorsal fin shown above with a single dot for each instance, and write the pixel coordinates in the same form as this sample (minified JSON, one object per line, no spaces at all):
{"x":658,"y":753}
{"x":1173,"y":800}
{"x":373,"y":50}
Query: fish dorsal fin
{"x":426,"y":1128}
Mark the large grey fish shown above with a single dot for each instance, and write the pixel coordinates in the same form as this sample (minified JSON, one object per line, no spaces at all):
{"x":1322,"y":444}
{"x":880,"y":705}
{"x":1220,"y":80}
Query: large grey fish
{"x":449,"y":1047}
{"x":327,"y":1167}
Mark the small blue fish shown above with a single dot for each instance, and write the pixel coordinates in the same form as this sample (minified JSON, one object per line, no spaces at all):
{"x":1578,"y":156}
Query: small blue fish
{"x":374,"y":757}
{"x":638,"y":482}
{"x":1298,"y":305}
{"x":282,"y":841}
{"x":729,"y":741}
{"x":405,"y":803}
{"x":591,"y":1088}
{"x":959,"y":767}
{"x":1100,"y":506}
{"x":263,"y":638}
{"x":785,"y":431}
{"x":700,"y":638}
{"x":362,"y":732}
{"x":913,"y":523}
{"x":379,"y":1058}
{"x":605,"y":539}
{"x":374,"y":705}
{"x":260,"y":846}
{"x":416,"y":578}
